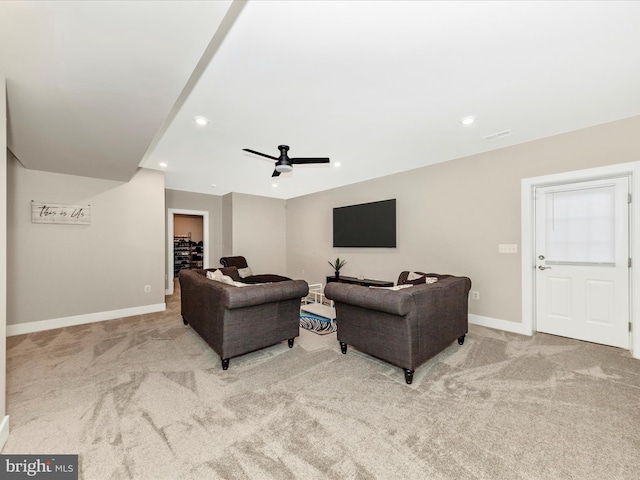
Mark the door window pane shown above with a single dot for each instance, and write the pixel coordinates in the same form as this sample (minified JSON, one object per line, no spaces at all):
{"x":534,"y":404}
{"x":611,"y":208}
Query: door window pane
{"x":581,"y":225}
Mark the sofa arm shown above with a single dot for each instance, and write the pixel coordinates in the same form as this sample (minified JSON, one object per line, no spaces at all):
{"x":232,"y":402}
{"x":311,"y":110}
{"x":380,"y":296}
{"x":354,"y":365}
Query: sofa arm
{"x":396,"y":302}
{"x":239,"y":297}
{"x":449,"y":290}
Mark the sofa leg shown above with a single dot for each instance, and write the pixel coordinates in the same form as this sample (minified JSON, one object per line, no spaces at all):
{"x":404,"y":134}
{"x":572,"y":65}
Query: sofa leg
{"x":461,"y":339}
{"x":290,"y":343}
{"x":408,"y":375}
{"x":225,"y":363}
{"x":185,"y":321}
{"x":343,"y":347}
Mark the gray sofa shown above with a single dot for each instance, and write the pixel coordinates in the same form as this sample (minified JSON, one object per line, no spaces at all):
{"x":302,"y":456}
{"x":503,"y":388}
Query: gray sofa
{"x":404,"y":327}
{"x":237,"y":320}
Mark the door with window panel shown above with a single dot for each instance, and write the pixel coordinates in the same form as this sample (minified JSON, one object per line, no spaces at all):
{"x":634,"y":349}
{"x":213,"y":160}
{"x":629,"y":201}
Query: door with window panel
{"x":582,"y":261}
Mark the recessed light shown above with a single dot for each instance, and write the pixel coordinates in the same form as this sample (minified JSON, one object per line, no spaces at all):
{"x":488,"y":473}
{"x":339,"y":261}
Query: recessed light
{"x":202,"y":121}
{"x":274,"y":185}
{"x":214,"y":185}
{"x":337,"y":164}
{"x":163,"y":164}
{"x":468,"y":120}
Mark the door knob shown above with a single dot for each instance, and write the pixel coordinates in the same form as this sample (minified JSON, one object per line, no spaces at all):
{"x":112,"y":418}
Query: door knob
{"x":541,"y":267}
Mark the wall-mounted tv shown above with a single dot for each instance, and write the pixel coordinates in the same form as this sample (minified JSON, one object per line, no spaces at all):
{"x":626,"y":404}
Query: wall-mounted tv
{"x":365,"y":225}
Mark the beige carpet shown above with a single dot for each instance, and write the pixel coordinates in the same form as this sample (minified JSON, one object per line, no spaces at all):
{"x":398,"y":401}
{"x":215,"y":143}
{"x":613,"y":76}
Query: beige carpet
{"x":146,"y":398}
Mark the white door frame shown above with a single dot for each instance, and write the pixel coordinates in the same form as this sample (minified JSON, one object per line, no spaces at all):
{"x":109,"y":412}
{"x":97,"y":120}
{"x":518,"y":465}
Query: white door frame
{"x":527,"y":203}
{"x":205,"y":240}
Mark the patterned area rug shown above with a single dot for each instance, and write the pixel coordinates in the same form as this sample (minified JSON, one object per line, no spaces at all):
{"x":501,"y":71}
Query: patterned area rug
{"x":317,"y":324}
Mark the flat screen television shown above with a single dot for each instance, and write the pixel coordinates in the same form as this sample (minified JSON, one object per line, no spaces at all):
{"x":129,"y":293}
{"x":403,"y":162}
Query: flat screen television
{"x":365,"y":225}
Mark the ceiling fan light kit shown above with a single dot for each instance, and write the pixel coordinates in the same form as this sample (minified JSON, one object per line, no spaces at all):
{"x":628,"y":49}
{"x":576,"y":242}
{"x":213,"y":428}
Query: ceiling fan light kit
{"x":284,"y":164}
{"x":283,"y":168}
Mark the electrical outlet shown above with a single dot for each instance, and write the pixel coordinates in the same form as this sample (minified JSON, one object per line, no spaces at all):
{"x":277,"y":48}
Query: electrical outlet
{"x":475,"y":295}
{"x":147,"y":289}
{"x":508,"y":248}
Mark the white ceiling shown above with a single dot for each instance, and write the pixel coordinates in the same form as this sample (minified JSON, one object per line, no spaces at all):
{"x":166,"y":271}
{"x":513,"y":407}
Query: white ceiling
{"x":98,"y":88}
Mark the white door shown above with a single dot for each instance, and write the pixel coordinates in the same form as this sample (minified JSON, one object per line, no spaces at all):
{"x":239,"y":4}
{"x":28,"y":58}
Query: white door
{"x":582,"y":261}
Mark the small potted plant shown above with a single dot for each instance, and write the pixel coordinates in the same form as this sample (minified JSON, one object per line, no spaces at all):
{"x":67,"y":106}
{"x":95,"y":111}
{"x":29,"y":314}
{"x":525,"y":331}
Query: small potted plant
{"x":337,"y":265}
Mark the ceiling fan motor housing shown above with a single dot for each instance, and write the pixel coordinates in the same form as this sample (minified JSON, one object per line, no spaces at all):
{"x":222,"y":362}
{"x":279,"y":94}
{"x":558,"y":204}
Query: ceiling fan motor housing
{"x":283,"y":165}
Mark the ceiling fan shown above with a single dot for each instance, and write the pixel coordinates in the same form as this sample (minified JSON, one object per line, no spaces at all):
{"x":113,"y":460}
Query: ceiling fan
{"x":285,"y":164}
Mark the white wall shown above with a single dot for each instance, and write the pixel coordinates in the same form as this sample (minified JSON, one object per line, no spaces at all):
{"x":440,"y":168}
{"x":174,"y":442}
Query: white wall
{"x":452,"y":216}
{"x":69,"y":274}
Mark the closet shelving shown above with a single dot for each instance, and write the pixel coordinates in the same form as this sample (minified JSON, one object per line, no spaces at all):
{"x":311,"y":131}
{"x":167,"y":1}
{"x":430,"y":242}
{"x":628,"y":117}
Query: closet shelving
{"x":196,"y":255}
{"x":182,"y":246}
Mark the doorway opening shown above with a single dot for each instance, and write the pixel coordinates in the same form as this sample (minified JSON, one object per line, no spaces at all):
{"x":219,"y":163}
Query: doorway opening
{"x":187,"y":243}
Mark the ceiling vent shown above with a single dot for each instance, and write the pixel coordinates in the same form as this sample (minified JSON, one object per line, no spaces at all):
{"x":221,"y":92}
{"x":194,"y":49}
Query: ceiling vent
{"x":494,"y":136}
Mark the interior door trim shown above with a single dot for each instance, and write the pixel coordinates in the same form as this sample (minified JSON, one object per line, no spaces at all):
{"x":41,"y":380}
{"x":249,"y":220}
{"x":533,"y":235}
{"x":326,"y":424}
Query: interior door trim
{"x":527,"y":203}
{"x":205,"y":240}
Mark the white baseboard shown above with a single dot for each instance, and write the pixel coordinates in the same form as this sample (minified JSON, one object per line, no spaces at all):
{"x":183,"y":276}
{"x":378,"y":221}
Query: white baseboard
{"x":43,"y":325}
{"x":4,"y":431}
{"x":498,"y":324}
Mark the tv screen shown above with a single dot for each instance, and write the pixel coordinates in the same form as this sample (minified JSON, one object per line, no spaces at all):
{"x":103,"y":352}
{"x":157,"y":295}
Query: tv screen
{"x":365,"y":225}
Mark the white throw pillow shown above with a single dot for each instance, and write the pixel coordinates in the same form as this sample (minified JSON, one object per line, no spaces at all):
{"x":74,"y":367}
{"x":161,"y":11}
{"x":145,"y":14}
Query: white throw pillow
{"x":218,"y":276}
{"x":245,"y":272}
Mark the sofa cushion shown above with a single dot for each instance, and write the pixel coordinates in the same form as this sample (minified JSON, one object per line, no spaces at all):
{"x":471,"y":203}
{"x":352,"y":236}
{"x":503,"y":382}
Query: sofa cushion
{"x":394,"y":288}
{"x":418,"y":278}
{"x":237,"y":261}
{"x":265,"y":278}
{"x":245,"y":272}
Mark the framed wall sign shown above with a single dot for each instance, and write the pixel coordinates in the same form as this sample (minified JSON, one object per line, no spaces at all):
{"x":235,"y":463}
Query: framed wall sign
{"x":43,"y":212}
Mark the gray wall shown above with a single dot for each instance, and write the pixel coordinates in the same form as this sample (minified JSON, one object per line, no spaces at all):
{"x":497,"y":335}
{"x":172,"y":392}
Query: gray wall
{"x":178,"y":199}
{"x":453,"y":215}
{"x":227,"y":225}
{"x":3,"y":253}
{"x":259,"y":232}
{"x":61,"y":271}
{"x":240,"y":224}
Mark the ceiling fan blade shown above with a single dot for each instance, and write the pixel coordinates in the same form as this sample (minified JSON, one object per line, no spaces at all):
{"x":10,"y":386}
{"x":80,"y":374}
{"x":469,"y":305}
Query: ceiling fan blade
{"x":275,"y":173}
{"x":300,"y":161}
{"x":261,"y":154}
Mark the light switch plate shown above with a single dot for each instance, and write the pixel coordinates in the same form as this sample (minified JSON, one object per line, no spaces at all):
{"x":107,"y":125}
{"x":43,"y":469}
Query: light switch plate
{"x":508,"y":248}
